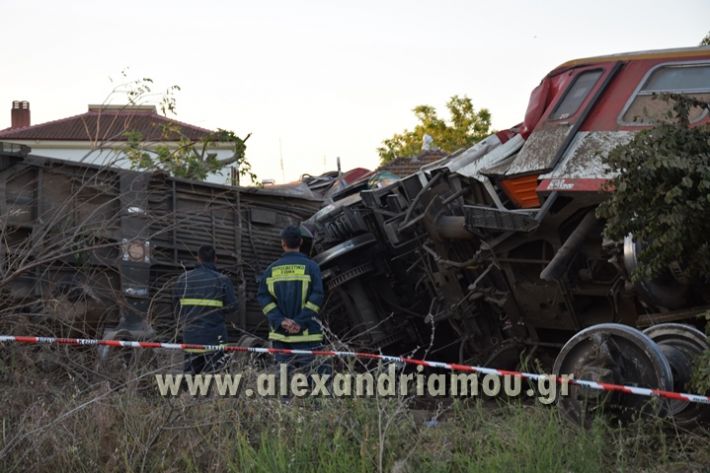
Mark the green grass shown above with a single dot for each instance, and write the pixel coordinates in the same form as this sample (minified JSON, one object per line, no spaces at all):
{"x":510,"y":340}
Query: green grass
{"x":54,"y":423}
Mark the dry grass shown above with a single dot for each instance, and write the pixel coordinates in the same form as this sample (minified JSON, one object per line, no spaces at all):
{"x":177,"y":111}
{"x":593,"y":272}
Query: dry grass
{"x":66,"y":413}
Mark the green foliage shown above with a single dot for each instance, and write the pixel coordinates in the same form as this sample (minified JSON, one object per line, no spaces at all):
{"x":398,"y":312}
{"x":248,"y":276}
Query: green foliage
{"x":58,"y":417}
{"x":175,"y":153}
{"x":184,"y":157}
{"x":467,"y":126}
{"x":128,"y":432}
{"x":662,"y":195}
{"x":701,"y":372}
{"x":706,"y":40}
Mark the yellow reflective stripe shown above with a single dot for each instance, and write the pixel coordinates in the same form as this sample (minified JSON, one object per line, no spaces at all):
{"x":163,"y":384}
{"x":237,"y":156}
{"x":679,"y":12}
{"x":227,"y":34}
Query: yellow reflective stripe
{"x":268,"y":307}
{"x":202,"y":302}
{"x":310,"y":305}
{"x":305,"y":282}
{"x":287,"y":273}
{"x":304,"y":291}
{"x":296,"y":277}
{"x":316,"y":337}
{"x":288,"y":270}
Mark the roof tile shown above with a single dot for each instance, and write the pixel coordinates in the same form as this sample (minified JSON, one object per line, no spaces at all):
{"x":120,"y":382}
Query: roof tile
{"x":108,"y":123}
{"x":403,"y":167}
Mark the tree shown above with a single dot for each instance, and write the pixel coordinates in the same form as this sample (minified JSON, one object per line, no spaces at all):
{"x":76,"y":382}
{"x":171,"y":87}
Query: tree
{"x":466,"y":127}
{"x":706,"y":40}
{"x":187,"y":158}
{"x":662,"y":195}
{"x":176,"y":154}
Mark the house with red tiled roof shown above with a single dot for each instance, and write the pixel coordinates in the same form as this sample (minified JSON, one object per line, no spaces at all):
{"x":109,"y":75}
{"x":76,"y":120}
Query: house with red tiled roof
{"x":403,"y":167}
{"x":98,"y":135}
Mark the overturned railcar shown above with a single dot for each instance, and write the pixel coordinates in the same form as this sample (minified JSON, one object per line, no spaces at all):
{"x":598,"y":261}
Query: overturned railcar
{"x":494,"y":253}
{"x":87,"y":249}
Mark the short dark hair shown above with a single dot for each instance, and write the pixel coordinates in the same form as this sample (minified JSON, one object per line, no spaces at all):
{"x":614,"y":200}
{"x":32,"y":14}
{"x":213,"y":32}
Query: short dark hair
{"x":291,"y":236}
{"x":206,"y":254}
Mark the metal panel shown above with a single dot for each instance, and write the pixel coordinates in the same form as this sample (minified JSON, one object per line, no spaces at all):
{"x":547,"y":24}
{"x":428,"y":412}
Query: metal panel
{"x":112,"y":242}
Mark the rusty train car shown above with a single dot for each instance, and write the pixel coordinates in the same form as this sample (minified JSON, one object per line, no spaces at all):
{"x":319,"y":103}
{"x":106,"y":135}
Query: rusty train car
{"x":494,"y":253}
{"x":94,"y":250}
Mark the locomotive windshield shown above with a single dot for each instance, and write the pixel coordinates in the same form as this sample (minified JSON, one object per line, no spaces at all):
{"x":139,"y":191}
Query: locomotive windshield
{"x":575,"y":95}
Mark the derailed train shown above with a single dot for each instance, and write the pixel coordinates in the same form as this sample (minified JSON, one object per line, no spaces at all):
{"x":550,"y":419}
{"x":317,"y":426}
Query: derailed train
{"x":494,"y":253}
{"x":490,"y":255}
{"x":94,"y":250}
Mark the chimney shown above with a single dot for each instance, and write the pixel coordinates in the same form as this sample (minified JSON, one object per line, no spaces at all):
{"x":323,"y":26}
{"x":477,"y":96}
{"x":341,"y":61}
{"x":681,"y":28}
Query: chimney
{"x":20,"y":114}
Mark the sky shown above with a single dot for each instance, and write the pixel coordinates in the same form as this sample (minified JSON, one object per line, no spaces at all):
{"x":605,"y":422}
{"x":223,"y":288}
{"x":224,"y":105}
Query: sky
{"x":317,"y":80}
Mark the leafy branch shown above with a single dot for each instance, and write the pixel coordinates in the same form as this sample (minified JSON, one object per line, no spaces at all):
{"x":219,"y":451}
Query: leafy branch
{"x":185,"y":157}
{"x":466,"y":127}
{"x":175,"y":153}
{"x":662,"y":195}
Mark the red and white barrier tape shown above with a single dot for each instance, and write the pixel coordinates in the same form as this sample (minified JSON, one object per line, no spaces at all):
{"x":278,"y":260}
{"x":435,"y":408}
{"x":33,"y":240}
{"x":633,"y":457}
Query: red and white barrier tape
{"x":351,"y":354}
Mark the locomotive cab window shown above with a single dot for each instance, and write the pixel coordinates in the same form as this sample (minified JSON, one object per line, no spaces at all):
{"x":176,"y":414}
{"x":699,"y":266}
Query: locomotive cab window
{"x":575,"y":94}
{"x":646,"y":108}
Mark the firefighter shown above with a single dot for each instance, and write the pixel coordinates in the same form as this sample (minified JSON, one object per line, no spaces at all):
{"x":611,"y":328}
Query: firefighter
{"x":204,"y":297}
{"x":290,"y":295}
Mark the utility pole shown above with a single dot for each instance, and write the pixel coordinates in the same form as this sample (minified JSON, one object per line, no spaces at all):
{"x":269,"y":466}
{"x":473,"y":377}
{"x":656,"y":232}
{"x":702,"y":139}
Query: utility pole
{"x":281,"y":160}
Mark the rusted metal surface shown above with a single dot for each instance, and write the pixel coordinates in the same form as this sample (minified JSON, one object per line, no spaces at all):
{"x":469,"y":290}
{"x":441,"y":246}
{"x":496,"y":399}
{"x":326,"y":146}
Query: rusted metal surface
{"x":681,"y":345}
{"x":102,"y":246}
{"x":614,"y":354}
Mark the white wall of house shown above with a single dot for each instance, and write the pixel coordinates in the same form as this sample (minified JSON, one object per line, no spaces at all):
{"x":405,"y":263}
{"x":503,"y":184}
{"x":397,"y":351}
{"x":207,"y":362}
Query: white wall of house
{"x":107,"y":155}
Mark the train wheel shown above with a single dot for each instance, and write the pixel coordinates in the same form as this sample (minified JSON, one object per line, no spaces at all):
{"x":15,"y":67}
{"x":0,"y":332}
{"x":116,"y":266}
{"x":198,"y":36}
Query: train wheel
{"x":681,"y":344}
{"x":615,"y":354}
{"x":506,"y":357}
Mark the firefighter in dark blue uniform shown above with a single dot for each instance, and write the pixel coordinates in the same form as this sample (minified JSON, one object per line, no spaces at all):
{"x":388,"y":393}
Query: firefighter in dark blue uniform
{"x":204,"y":297}
{"x":290,"y":295}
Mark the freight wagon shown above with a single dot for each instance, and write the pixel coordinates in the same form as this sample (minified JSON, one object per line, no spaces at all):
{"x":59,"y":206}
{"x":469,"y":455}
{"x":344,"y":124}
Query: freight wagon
{"x":88,"y":248}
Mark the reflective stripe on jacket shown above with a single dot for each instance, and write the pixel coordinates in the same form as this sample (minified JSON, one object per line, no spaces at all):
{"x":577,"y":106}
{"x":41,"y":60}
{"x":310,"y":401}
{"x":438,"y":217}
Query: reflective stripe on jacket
{"x":292,"y":287}
{"x":204,"y":297}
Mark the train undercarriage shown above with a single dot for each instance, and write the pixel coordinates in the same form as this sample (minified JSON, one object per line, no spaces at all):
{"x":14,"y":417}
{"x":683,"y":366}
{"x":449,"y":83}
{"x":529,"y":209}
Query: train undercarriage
{"x":432,"y":264}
